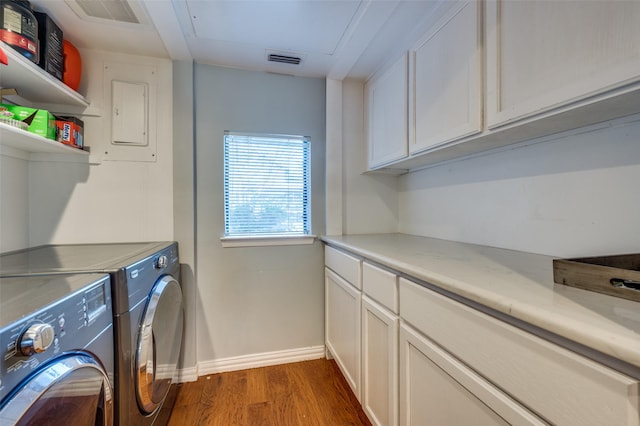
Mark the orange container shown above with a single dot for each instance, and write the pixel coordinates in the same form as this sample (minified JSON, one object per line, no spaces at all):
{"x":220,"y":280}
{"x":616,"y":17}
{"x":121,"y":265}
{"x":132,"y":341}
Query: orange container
{"x":72,"y":65}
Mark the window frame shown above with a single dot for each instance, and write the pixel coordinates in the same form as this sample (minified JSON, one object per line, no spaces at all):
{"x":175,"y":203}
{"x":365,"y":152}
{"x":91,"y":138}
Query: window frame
{"x":257,"y":240}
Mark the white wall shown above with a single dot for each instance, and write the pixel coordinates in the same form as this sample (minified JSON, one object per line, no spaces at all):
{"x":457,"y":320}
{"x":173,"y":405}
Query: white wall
{"x":370,"y":201}
{"x":14,"y":199}
{"x":184,"y":207}
{"x":257,"y":299}
{"x":574,"y":195}
{"x":333,"y":160}
{"x":111,"y":201}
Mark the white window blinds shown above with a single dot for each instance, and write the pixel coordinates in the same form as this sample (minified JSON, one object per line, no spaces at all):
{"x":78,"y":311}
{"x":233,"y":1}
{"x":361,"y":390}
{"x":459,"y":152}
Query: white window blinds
{"x":267,"y":185}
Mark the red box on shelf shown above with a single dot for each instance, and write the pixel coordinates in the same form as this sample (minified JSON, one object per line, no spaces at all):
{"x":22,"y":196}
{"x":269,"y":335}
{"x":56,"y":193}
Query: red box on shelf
{"x":70,"y":131}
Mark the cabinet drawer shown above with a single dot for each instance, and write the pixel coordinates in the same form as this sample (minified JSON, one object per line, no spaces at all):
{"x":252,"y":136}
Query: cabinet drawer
{"x":560,"y":386}
{"x":348,"y":267}
{"x":380,"y":285}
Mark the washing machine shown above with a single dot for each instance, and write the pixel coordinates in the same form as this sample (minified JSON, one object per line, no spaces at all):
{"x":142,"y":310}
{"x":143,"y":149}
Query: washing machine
{"x":56,"y":337}
{"x":147,"y":311}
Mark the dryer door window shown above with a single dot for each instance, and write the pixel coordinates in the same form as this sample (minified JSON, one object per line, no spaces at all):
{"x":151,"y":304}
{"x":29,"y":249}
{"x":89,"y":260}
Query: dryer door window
{"x":71,"y":391}
{"x":159,"y":344}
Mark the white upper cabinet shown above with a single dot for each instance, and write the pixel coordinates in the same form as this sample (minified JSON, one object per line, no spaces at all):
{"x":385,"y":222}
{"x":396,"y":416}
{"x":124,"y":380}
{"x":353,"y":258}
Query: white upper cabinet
{"x":445,"y":80}
{"x":386,"y":99}
{"x":545,"y":55}
{"x":492,"y":73}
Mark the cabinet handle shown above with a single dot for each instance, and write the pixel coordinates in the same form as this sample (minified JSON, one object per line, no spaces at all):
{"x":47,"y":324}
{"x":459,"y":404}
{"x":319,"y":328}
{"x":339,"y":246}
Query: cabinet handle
{"x":622,"y":283}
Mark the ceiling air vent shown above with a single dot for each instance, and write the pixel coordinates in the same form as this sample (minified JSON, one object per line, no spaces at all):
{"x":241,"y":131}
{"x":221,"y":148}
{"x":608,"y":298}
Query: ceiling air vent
{"x":116,"y":11}
{"x":283,"y":59}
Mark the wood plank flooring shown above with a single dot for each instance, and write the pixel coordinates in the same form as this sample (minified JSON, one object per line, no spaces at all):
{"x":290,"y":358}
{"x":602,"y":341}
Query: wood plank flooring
{"x":305,"y":393}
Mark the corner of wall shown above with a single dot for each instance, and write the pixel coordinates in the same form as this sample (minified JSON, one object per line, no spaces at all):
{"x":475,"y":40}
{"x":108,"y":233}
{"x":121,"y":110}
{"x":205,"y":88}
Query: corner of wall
{"x":370,"y":201}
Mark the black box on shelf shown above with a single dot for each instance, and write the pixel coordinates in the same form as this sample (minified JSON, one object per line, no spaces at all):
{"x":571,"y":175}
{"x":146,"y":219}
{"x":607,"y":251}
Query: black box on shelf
{"x":50,"y":38}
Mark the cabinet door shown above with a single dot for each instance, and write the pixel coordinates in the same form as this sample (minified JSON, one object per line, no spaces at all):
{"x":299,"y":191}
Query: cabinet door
{"x":542,"y":55}
{"x":445,"y":80}
{"x":386,"y":99}
{"x":526,"y":366}
{"x":342,"y":327}
{"x":436,"y":389}
{"x":379,"y":363}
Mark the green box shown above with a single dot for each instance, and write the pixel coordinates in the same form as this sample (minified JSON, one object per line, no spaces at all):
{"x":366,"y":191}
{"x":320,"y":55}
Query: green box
{"x":40,"y":121}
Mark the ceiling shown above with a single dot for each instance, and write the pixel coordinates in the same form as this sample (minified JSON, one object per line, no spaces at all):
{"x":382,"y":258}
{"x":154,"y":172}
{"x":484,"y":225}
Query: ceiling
{"x":333,"y":38}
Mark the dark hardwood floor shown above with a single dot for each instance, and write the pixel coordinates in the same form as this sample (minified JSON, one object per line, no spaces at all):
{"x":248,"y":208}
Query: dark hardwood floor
{"x":302,"y":393}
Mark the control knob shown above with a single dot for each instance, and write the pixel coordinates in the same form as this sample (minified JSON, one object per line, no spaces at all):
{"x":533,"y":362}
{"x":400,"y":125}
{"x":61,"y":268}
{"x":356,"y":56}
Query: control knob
{"x":36,"y":339}
{"x":161,"y":262}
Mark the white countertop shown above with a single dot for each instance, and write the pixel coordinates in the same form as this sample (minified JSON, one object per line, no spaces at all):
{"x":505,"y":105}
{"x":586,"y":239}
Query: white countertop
{"x":515,"y":283}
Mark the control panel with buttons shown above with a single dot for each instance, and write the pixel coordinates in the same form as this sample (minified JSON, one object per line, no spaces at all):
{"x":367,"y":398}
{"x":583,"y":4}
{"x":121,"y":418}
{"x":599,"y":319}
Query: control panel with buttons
{"x":53,"y":330}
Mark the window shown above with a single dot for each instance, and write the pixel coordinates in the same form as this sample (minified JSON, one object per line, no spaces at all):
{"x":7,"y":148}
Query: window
{"x":267,"y":187}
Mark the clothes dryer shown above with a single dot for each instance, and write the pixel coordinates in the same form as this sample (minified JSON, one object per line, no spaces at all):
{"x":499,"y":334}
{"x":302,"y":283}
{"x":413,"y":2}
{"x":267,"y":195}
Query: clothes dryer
{"x":56,"y":336}
{"x":147,"y":315}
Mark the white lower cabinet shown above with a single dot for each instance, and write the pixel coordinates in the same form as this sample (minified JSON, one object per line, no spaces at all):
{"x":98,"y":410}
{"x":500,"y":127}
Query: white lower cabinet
{"x":436,"y":389}
{"x":559,"y":385}
{"x":342,"y":326}
{"x":414,"y":356}
{"x":379,"y":363}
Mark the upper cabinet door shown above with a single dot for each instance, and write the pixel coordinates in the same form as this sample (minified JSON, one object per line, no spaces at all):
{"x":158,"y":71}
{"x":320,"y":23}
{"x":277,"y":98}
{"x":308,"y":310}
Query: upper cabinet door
{"x":445,"y":78}
{"x":543,"y":55}
{"x":386,"y":99}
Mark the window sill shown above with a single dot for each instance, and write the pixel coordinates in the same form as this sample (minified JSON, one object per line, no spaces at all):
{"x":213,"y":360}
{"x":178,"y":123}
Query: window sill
{"x":263,"y":241}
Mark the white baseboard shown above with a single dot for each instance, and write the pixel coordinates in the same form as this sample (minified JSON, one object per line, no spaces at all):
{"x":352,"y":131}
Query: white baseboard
{"x":265,"y":359}
{"x":187,"y":375}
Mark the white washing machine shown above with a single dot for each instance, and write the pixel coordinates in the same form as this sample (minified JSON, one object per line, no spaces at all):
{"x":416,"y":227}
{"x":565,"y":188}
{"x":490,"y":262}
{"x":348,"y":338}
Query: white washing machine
{"x":148,"y":315}
{"x":56,"y":336}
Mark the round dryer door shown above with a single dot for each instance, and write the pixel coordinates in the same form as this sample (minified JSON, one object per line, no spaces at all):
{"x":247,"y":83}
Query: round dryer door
{"x":159,"y":344}
{"x":74,"y":390}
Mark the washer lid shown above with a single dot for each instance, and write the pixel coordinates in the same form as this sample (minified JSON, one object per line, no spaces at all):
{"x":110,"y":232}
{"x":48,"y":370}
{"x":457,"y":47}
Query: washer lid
{"x":67,"y":258}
